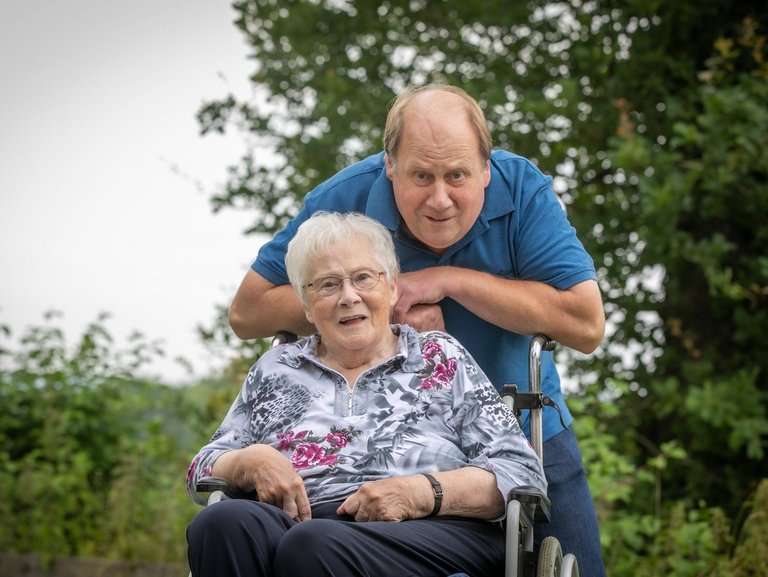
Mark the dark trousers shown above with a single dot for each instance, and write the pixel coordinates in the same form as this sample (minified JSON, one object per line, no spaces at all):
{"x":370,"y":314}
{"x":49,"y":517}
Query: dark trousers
{"x":240,"y":538}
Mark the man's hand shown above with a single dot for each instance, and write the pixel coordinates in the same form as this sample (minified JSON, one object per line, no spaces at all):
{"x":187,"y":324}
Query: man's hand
{"x":423,"y":318}
{"x":392,"y":499}
{"x":419,"y":295}
{"x":574,"y":317}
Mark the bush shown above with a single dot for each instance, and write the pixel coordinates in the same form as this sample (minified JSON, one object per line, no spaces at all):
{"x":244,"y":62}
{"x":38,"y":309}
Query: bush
{"x":93,"y":460}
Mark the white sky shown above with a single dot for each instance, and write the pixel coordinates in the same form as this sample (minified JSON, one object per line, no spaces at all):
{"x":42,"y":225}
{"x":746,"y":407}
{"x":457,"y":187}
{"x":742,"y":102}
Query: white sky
{"x":104,"y":180}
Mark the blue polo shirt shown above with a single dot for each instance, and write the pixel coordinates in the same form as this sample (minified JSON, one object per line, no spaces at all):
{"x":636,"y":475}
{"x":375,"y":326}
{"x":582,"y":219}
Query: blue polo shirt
{"x":522,"y":233}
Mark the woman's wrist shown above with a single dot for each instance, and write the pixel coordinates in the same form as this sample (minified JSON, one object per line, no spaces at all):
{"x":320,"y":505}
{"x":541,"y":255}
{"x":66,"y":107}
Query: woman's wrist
{"x":437,"y":493}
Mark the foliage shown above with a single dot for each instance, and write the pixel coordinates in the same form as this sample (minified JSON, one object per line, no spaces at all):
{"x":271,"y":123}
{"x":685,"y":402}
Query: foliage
{"x":222,"y":343}
{"x":652,"y":118}
{"x":92,"y":460}
{"x":701,"y":375}
{"x":752,"y":549}
{"x":643,"y":531}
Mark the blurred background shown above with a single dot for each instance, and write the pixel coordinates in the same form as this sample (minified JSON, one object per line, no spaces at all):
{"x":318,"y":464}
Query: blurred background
{"x":140,"y":141}
{"x":105,"y":179}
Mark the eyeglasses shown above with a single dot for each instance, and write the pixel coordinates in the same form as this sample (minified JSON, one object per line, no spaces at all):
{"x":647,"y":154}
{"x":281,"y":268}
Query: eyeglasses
{"x":363,"y":280}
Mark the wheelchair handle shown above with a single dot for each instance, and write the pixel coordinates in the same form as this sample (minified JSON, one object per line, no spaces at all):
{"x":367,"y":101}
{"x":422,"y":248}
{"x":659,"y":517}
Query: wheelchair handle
{"x":282,"y":337}
{"x":539,"y":343}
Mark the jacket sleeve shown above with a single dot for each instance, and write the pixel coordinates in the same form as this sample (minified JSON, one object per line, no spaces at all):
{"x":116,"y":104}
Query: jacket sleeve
{"x":489,"y":432}
{"x":233,"y":433}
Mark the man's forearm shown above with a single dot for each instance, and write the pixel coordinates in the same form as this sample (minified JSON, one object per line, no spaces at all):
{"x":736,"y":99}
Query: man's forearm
{"x":573,"y":317}
{"x":260,"y":309}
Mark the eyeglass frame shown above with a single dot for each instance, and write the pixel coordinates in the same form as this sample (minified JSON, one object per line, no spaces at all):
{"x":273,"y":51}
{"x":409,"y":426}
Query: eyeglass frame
{"x":341,"y":280}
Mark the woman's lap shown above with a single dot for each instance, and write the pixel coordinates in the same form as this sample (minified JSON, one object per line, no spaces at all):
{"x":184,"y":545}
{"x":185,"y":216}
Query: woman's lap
{"x":260,"y":540}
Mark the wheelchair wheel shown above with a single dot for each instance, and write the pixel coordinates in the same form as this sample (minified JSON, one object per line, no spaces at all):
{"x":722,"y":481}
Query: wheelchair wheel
{"x":570,"y":566}
{"x":550,"y":558}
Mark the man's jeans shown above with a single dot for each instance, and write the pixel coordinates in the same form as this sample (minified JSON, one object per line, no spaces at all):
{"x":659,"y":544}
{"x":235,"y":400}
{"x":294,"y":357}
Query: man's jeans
{"x":573,"y":518}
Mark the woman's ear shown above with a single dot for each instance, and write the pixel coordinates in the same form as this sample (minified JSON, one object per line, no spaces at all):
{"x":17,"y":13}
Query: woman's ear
{"x":393,"y":297}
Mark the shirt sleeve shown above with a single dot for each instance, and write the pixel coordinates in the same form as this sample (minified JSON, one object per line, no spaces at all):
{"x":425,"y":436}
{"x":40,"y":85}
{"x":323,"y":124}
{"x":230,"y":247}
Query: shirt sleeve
{"x":270,"y":262}
{"x":489,"y":432}
{"x":347,"y":190}
{"x":546,"y":245}
{"x":233,"y":433}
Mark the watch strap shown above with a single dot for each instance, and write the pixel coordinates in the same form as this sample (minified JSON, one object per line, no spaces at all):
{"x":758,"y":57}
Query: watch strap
{"x":437,"y":489}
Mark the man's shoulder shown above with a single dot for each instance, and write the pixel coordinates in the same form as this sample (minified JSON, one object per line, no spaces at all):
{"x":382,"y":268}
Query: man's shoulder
{"x":357,"y":178}
{"x":506,"y":161}
{"x":517,"y":177}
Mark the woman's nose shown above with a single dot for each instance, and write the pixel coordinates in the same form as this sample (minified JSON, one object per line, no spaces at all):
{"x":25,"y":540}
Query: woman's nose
{"x":348,"y":293}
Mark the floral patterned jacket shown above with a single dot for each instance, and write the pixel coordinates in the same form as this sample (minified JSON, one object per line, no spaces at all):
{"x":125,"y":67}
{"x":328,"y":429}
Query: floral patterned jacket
{"x":429,"y":408}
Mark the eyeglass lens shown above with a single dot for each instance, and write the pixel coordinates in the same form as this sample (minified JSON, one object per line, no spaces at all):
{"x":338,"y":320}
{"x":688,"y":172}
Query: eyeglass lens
{"x":361,"y":280}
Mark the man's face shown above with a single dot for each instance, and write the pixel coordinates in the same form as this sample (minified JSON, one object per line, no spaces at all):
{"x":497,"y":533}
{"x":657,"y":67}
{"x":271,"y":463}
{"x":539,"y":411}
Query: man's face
{"x":438,"y":175}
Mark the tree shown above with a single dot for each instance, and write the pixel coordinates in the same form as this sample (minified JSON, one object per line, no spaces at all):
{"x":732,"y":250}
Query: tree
{"x":652,"y":118}
{"x":696,"y":211}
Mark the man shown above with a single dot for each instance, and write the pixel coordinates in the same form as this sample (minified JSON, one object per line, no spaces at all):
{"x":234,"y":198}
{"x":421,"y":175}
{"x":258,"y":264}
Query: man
{"x":487,"y":254}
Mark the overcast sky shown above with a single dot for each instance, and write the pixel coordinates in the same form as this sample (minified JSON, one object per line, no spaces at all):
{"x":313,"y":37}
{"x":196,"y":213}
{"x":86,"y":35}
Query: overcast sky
{"x":104,"y":181}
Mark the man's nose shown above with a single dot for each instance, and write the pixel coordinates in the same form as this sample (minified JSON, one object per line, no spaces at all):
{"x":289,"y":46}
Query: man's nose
{"x":439,"y":199}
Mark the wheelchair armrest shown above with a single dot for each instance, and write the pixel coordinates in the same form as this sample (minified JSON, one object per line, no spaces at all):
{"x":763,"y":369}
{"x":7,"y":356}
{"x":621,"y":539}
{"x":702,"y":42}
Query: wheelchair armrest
{"x":211,"y":484}
{"x":534,"y":502}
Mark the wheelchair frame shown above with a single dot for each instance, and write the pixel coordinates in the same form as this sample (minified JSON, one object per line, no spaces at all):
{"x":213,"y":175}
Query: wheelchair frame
{"x":525,"y":505}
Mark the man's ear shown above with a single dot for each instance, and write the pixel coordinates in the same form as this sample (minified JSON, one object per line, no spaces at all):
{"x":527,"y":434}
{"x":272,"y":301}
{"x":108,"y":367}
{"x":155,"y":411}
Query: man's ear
{"x":390,"y":165}
{"x":487,"y":174}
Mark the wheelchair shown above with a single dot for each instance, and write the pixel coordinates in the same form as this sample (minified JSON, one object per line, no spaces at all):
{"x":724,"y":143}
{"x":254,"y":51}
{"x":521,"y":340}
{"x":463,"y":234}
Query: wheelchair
{"x":525,"y":505}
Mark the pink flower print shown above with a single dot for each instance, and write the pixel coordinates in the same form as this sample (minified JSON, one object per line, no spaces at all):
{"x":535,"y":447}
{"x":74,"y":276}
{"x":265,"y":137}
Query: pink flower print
{"x":337,"y":439}
{"x":288,"y":438}
{"x":426,"y":384}
{"x":431,"y":350}
{"x":441,"y":376}
{"x":285,"y":440}
{"x":309,"y":455}
{"x":193,"y":468}
{"x":444,"y":372}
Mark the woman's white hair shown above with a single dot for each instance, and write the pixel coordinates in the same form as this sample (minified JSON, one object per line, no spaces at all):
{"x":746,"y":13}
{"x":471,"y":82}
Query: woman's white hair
{"x":321,"y":232}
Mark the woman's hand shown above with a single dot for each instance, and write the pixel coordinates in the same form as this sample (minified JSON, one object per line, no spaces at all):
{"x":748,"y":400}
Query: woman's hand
{"x":467,"y":492}
{"x":270,"y":473}
{"x":392,"y":499}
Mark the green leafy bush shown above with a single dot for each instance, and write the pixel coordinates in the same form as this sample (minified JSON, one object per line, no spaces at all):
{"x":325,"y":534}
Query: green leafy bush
{"x":645,"y":528}
{"x":92,"y":459}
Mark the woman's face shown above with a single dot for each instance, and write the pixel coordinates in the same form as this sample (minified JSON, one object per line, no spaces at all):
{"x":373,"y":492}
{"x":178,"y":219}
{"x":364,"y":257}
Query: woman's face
{"x":352,"y":319}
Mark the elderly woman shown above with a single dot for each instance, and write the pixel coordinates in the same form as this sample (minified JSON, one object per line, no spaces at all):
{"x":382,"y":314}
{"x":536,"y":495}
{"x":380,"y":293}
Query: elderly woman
{"x":374,"y":449}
